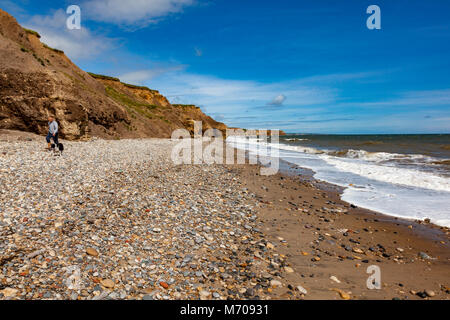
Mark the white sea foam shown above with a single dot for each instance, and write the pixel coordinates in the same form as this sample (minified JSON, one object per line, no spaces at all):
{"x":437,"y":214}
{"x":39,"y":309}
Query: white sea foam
{"x":389,"y":174}
{"x":295,"y":139}
{"x":369,"y":181}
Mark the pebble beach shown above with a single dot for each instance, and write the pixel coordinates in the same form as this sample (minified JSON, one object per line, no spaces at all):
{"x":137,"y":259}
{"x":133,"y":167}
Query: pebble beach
{"x":118,"y":220}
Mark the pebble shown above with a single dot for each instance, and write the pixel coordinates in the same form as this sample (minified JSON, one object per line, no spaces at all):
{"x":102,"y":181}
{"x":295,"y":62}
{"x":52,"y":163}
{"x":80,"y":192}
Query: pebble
{"x":131,"y":221}
{"x":301,"y":289}
{"x":9,"y":292}
{"x":430,"y":293}
{"x":344,"y":295}
{"x":101,"y":296}
{"x":335,"y":279}
{"x":288,"y":269}
{"x":205,"y":295}
{"x":164,"y":285}
{"x":275,"y":283}
{"x":250,"y":292}
{"x":422,"y":294}
{"x":92,"y":252}
{"x":424,"y":256}
{"x":107,"y":283}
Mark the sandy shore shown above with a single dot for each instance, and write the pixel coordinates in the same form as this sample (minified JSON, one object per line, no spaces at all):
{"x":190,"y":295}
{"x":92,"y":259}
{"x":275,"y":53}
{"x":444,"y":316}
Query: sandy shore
{"x":118,"y":220}
{"x":325,"y":239}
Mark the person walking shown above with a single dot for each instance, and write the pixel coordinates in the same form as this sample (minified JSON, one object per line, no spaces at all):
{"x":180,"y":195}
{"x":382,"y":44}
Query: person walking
{"x":52,"y":132}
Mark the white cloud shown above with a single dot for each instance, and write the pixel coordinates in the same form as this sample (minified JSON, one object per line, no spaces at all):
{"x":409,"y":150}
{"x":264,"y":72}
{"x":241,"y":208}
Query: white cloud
{"x":244,"y":103}
{"x":278,"y":100}
{"x":235,"y":97}
{"x":342,"y":77}
{"x":77,"y":44}
{"x":135,"y":12}
{"x":428,"y":98}
{"x":137,"y":77}
{"x":12,"y":7}
{"x":141,"y":76}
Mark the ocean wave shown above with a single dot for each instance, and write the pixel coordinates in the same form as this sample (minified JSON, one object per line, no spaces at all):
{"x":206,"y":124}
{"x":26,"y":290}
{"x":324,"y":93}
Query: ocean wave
{"x":295,"y":139}
{"x":442,"y":162}
{"x":393,"y":175}
{"x":373,"y":180}
{"x":298,"y":149}
{"x":378,"y":157}
{"x":257,"y":144}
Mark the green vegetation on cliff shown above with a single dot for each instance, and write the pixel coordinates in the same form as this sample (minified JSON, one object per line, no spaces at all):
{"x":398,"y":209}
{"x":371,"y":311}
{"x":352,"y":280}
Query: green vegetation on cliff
{"x":35,"y":33}
{"x":103,"y":77}
{"x":53,"y":49}
{"x":132,"y":105}
{"x":132,"y":86}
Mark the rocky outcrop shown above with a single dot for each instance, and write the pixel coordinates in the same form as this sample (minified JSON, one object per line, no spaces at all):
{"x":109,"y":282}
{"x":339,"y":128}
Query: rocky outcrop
{"x":159,"y":116}
{"x":192,"y":113}
{"x":36,"y":80}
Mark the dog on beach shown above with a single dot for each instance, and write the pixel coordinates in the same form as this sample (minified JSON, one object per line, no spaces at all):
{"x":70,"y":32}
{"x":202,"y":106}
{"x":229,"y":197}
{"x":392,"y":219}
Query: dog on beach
{"x":57,"y":149}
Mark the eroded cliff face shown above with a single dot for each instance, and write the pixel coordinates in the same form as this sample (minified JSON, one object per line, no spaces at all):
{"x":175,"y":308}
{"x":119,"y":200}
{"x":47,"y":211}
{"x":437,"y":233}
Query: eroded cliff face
{"x":192,"y":113}
{"x":36,"y":80}
{"x":159,"y":116}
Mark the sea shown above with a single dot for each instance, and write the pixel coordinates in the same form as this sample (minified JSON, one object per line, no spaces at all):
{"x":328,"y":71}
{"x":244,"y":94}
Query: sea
{"x":406,"y":176}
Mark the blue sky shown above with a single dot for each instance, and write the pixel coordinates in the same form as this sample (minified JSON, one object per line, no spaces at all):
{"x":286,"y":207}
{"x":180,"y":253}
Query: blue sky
{"x":301,"y":66}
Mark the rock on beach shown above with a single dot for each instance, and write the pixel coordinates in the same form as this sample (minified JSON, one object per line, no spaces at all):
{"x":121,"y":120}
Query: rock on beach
{"x":119,"y":220}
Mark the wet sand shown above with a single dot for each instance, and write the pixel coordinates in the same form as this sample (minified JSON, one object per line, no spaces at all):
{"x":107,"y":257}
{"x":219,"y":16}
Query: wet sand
{"x":323,"y":236}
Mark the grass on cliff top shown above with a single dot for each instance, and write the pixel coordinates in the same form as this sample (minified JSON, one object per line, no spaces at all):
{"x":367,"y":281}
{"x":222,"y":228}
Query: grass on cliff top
{"x":103,"y":77}
{"x":132,"y":86}
{"x":133,"y":105}
{"x":35,"y":33}
{"x":53,"y":49}
{"x":185,"y":106}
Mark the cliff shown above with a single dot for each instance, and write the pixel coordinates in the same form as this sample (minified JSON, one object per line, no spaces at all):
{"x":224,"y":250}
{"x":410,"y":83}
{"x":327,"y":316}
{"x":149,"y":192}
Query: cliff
{"x":36,"y":80}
